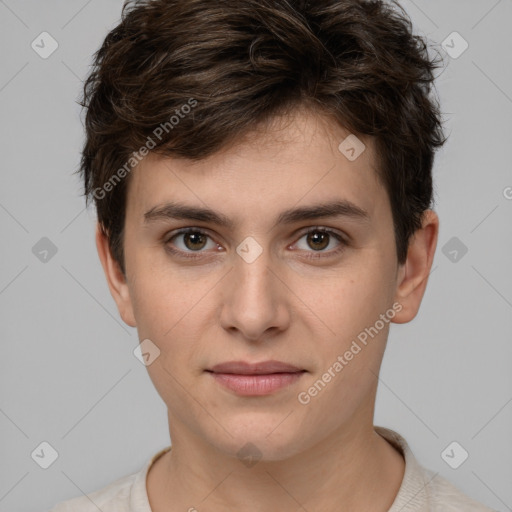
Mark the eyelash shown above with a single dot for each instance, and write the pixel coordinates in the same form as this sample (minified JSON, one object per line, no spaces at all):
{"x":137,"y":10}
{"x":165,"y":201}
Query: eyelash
{"x":311,"y":254}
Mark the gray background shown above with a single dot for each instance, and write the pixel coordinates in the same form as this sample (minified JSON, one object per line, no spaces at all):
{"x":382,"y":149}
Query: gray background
{"x":68,"y":375}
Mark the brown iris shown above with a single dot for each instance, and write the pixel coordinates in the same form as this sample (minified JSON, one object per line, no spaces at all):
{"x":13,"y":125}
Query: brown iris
{"x":198,"y":240}
{"x":318,"y":237}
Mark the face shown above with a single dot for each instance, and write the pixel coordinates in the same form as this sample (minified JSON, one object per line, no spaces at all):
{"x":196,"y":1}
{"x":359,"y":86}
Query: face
{"x":265,"y":284}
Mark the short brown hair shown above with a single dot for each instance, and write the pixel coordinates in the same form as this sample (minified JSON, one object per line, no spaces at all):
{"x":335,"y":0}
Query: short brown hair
{"x":244,"y":62}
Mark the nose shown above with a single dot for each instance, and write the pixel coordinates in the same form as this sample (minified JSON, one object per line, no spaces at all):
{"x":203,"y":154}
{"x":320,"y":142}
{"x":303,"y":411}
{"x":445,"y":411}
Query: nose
{"x":255,"y":300}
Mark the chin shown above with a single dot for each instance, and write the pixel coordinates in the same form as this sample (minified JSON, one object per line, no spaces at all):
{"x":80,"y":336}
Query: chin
{"x":260,"y":443}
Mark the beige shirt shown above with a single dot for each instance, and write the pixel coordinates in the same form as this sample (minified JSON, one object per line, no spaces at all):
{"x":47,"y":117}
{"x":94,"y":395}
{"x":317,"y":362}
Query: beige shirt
{"x":420,"y":490}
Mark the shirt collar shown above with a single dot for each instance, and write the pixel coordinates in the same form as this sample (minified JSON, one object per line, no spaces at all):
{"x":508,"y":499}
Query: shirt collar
{"x":413,"y":493}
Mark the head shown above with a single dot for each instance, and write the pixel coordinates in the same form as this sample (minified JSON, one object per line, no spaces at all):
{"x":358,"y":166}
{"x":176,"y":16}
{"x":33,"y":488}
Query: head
{"x":229,"y":118}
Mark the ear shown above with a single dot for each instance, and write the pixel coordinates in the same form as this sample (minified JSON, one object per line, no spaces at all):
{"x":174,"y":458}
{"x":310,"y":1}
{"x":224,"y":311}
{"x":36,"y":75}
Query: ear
{"x":414,"y":273}
{"x":115,"y":279}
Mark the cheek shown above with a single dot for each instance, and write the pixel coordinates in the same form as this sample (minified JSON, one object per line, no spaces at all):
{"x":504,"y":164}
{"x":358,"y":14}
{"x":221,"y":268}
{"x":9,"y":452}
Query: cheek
{"x":158,"y":304}
{"x":352,"y":350}
{"x":349,"y":304}
{"x":172,"y":311}
{"x":156,"y":293}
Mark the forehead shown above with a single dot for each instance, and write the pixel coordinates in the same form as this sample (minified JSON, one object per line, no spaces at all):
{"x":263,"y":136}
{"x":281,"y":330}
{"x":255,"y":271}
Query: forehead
{"x":292,"y":161}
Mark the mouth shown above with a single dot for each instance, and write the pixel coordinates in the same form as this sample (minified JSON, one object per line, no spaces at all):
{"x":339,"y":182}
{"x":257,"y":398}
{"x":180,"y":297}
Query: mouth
{"x":261,"y":368}
{"x":255,"y":379}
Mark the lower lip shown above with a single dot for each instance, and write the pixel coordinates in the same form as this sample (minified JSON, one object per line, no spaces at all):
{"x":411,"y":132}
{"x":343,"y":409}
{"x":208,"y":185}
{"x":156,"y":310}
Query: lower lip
{"x":256,"y":385}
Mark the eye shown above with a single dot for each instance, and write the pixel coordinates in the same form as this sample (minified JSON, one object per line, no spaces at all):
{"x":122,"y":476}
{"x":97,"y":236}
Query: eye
{"x":319,"y":239}
{"x":193,"y":240}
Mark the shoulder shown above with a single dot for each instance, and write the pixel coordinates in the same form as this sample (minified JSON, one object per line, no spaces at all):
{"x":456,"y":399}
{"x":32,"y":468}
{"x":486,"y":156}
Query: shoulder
{"x":422,"y":489}
{"x":445,"y":497}
{"x":113,"y":497}
{"x":126,"y":494}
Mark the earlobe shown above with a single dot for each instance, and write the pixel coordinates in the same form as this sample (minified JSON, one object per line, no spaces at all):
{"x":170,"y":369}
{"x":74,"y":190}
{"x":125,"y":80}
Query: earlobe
{"x":115,"y":279}
{"x":413,"y":276}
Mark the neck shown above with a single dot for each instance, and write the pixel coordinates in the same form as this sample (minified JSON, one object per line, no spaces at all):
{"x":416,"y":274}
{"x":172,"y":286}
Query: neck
{"x":351,"y":469}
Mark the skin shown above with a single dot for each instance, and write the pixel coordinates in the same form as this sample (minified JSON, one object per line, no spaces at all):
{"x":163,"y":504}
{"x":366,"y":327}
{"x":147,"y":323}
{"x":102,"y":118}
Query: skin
{"x":324,"y":455}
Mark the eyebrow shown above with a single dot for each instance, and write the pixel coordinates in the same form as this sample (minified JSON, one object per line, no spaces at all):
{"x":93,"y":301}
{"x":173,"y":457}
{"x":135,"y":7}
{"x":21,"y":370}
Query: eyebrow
{"x":175,"y":210}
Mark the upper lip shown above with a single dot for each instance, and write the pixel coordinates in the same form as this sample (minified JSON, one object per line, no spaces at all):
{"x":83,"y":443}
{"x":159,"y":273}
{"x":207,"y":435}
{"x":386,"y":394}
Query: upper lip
{"x":262,"y":368}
